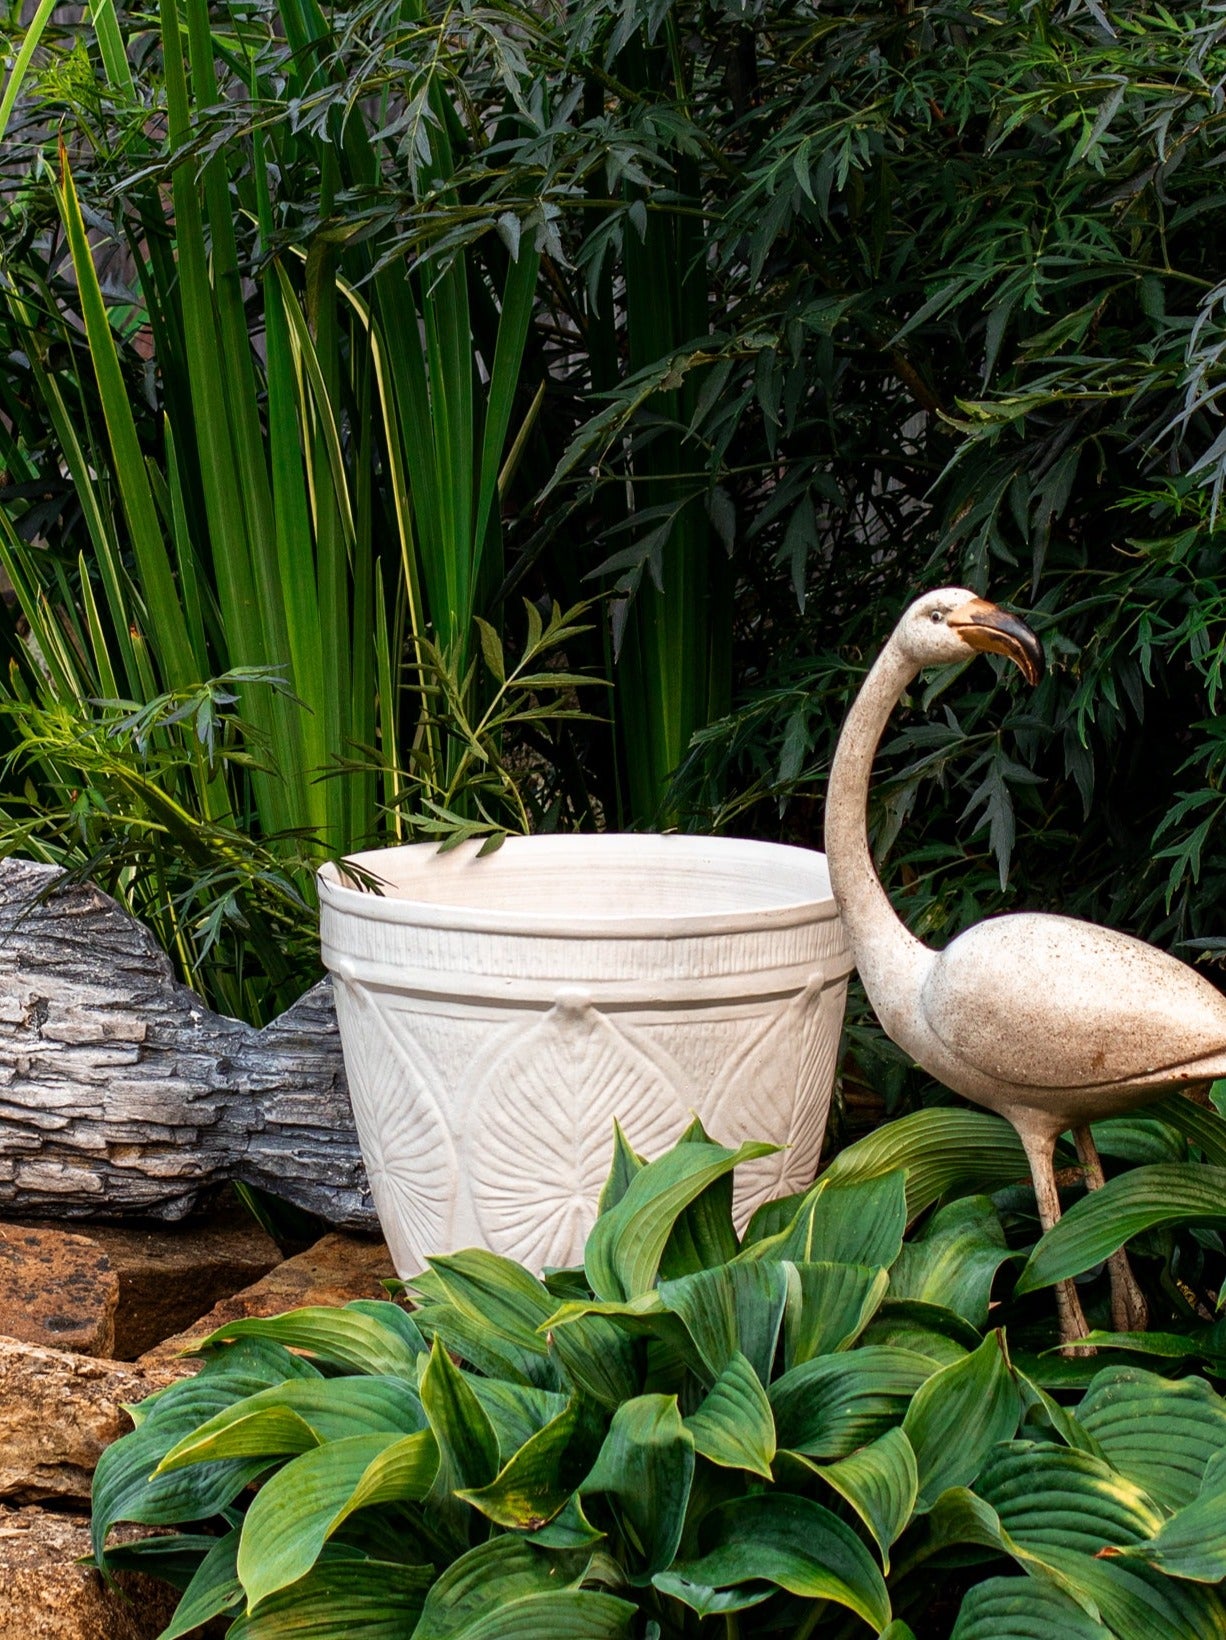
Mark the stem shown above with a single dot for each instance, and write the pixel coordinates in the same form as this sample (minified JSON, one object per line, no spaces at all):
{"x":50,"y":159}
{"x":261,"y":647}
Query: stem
{"x":809,"y":1626}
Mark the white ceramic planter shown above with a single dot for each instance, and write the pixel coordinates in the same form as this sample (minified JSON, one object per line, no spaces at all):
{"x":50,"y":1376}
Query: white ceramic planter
{"x":498,"y":1013}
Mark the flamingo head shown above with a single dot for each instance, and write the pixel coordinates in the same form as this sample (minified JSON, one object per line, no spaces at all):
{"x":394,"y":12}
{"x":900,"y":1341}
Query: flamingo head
{"x":944,"y":627}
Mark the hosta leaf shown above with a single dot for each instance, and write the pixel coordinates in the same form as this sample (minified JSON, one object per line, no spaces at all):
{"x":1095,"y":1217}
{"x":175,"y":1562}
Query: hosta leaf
{"x":274,"y":1431}
{"x":643,"y":1317}
{"x":1204,"y":1128}
{"x":958,"y":1516}
{"x":230,"y":1373}
{"x":828,"y":1307}
{"x":501,"y":1296}
{"x":487,"y":1580}
{"x":926,"y":1329}
{"x":1159,"y":1432}
{"x":733,"y":1426}
{"x":794,"y":1543}
{"x":299,"y":1414}
{"x":828,"y":1407}
{"x":852,"y":1221}
{"x":709,"y":1602}
{"x":557,"y":1614}
{"x":467,"y":1443}
{"x":1130,"y":1600}
{"x":881,"y":1482}
{"x":1050,"y":1497}
{"x":569,"y":1529}
{"x":490,"y":1352}
{"x":123,"y":1489}
{"x":215,"y":1589}
{"x":942,"y":1151}
{"x":515,"y":1411}
{"x":958,"y":1415}
{"x":1145,"y":1198}
{"x":1136,"y":1600}
{"x":294,"y":1514}
{"x":646,"y":1466}
{"x":536,"y":1482}
{"x":1044,"y":1413}
{"x":392,"y":1317}
{"x":624,"y":1249}
{"x":344,"y":1597}
{"x":625,"y":1164}
{"x":174,"y":1557}
{"x":346,"y":1337}
{"x":955,"y":1260}
{"x":1168,"y":1346}
{"x":704,"y":1236}
{"x":1023,"y":1608}
{"x":772,"y":1219}
{"x":737,"y":1308}
{"x":1055,"y":1371}
{"x":1192,"y":1543}
{"x":597,"y":1357}
{"x":1140,"y":1139}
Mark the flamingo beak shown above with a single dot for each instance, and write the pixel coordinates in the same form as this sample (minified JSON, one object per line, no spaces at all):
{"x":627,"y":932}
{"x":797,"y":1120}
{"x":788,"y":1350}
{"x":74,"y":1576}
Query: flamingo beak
{"x":983,"y":626}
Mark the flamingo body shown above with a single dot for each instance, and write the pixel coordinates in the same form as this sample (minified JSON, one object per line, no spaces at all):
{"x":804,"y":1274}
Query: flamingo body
{"x":1069,"y":1020}
{"x":1051,"y":1022}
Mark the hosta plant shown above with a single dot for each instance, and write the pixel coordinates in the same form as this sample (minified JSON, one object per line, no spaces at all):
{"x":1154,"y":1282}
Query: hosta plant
{"x":807,"y":1429}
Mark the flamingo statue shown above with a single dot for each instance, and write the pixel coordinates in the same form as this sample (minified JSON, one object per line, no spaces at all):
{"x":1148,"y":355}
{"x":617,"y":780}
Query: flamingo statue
{"x":1051,"y":1022}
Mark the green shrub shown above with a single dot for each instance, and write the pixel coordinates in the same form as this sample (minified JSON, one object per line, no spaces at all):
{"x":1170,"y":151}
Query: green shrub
{"x":810,"y":1429}
{"x":835,"y":301}
{"x":247,"y":469}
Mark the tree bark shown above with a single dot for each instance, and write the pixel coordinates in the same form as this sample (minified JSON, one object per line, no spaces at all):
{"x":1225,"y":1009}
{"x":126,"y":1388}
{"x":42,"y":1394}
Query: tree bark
{"x":123,"y":1096}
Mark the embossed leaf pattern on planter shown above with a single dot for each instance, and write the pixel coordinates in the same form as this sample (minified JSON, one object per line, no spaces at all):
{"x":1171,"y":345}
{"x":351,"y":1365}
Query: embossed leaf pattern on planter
{"x":540,"y":1130}
{"x":780,"y":1082}
{"x":409,"y":1154}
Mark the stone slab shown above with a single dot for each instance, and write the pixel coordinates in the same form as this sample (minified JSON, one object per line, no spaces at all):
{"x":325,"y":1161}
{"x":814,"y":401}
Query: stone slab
{"x":337,"y":1268}
{"x":58,"y":1411}
{"x":168,"y":1274}
{"x":56,"y":1289}
{"x":45,"y":1595}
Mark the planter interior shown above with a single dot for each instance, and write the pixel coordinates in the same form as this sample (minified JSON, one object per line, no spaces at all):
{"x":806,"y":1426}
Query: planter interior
{"x":498,"y":1013}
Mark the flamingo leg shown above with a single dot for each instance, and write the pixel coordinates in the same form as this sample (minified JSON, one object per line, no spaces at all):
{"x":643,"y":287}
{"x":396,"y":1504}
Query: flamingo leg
{"x":1040,"y":1149}
{"x":1129,"y":1311}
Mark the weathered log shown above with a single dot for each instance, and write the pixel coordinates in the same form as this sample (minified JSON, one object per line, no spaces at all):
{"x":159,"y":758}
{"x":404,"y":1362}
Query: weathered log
{"x":122,"y":1095}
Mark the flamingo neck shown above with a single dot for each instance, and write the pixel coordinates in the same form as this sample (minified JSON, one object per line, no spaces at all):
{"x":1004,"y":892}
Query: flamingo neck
{"x":890,"y":959}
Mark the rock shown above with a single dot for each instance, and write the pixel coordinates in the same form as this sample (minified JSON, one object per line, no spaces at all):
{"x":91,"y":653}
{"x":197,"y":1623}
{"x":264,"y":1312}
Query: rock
{"x":45,"y":1595}
{"x":170,"y":1273}
{"x":337,"y":1268}
{"x":122,"y":1096}
{"x":57,"y":1413}
{"x":56,"y":1289}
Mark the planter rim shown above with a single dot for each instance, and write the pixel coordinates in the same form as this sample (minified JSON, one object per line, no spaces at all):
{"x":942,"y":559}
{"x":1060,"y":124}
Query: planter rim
{"x":788,"y":910}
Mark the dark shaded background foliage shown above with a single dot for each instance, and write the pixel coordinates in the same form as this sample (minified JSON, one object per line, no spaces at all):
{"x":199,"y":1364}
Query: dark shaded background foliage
{"x":837,"y":303}
{"x":966,"y":310}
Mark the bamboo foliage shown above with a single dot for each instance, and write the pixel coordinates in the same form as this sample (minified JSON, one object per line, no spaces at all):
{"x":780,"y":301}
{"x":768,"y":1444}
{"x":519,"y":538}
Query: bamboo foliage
{"x":317,"y":498}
